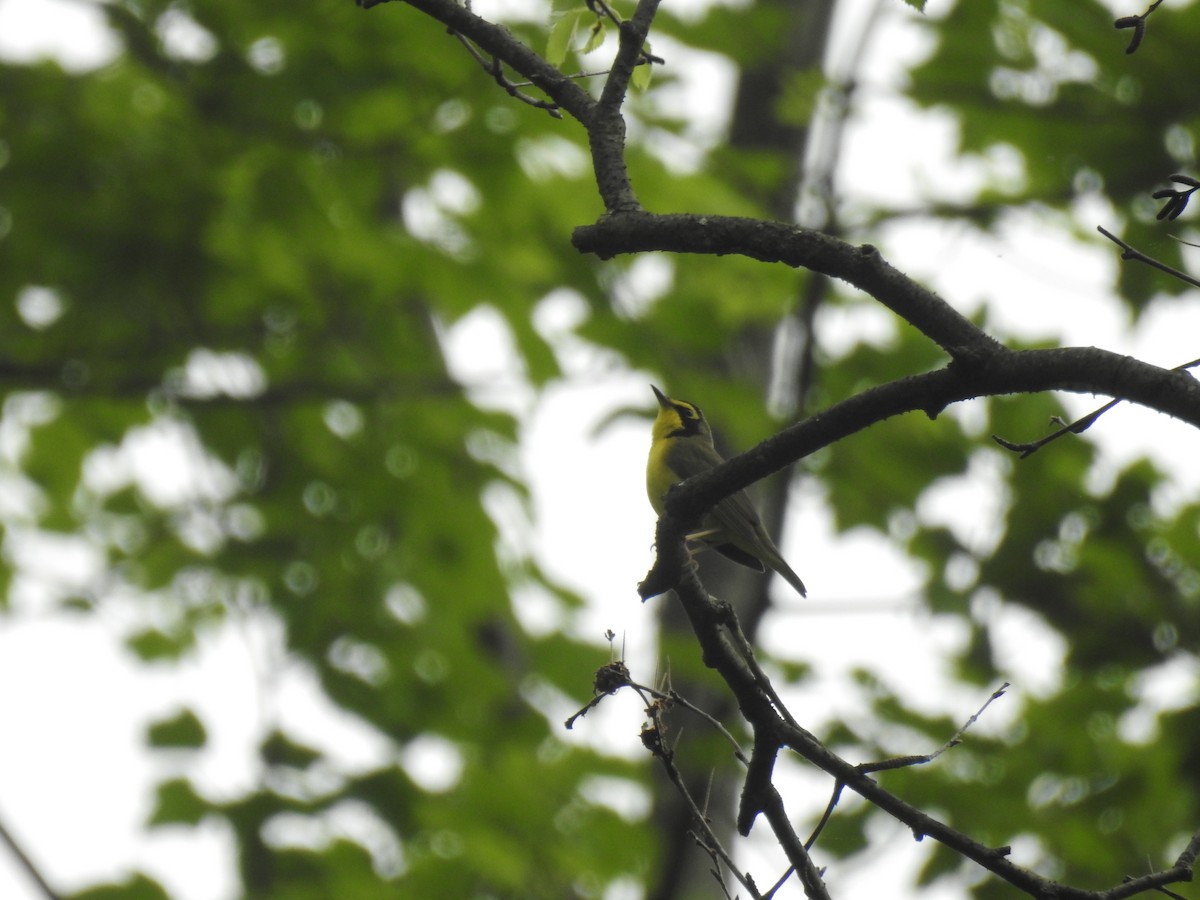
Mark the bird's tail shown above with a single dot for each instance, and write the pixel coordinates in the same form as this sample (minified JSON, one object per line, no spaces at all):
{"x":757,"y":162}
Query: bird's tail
{"x":780,"y":565}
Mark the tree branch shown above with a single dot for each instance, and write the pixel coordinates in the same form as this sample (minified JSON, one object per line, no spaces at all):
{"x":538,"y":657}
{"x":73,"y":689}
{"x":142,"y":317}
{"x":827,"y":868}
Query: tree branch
{"x":606,"y":128}
{"x":1129,"y":252}
{"x":863,"y":267}
{"x":1077,"y":369}
{"x":633,"y":35}
{"x":502,"y":44}
{"x":710,"y":618}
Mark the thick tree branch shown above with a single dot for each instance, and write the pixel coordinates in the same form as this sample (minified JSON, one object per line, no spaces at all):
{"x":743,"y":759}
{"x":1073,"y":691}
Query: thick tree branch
{"x":863,"y":267}
{"x":713,"y":622}
{"x":810,"y":876}
{"x":1077,"y":369}
{"x":633,"y":35}
{"x":1187,"y":858}
{"x":606,"y":128}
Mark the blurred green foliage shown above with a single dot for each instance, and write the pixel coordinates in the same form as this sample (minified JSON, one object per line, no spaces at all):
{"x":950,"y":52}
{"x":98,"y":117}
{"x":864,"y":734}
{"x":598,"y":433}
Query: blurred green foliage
{"x":259,"y":238}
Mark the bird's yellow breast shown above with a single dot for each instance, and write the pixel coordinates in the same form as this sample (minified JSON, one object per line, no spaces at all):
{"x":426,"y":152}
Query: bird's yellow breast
{"x":659,"y":474}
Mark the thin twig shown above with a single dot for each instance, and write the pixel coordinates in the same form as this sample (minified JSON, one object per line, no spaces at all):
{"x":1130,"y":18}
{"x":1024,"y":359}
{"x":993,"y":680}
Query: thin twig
{"x":604,"y":11}
{"x":834,"y":799}
{"x":1129,"y":252}
{"x":27,"y":864}
{"x":709,"y":839}
{"x":497,"y":41}
{"x":903,"y":761}
{"x":780,"y":883}
{"x":1079,"y":426}
{"x":598,"y":73}
{"x":614,"y":676}
{"x":494,"y":68}
{"x":675,"y":697}
{"x":900,"y":762}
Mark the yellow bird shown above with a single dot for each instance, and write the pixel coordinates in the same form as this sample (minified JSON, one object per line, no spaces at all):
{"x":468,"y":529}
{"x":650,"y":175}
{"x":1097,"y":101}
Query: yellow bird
{"x":682,"y":446}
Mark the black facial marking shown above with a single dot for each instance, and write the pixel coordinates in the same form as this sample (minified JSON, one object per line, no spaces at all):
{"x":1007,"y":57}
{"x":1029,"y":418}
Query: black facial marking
{"x":690,"y":416}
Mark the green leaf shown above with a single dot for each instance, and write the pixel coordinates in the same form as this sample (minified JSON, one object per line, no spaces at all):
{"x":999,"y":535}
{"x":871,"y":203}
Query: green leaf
{"x":596,"y":35}
{"x":177,"y":803}
{"x":562,"y":36}
{"x":642,"y":75}
{"x":137,"y":887}
{"x":800,"y":95}
{"x":184,"y":730}
{"x":280,"y":750}
{"x":154,"y":645}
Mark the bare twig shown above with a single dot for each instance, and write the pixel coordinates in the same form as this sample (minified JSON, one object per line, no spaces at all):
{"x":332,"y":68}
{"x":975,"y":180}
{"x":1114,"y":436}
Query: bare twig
{"x":604,"y":11}
{"x":614,"y":676}
{"x":496,"y":70}
{"x":706,"y":836}
{"x":862,"y":266}
{"x":675,"y":697}
{"x":1079,"y":426}
{"x":899,"y":762}
{"x":27,"y":864}
{"x":779,"y":883}
{"x":1129,"y":252}
{"x":739,"y":637}
{"x":599,"y":73}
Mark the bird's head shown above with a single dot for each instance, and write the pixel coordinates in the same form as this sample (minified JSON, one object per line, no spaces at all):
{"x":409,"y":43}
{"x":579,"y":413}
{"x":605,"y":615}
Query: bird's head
{"x":678,"y":418}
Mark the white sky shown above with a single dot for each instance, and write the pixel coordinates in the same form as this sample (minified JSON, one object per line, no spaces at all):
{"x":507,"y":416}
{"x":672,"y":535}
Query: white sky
{"x":78,"y":688}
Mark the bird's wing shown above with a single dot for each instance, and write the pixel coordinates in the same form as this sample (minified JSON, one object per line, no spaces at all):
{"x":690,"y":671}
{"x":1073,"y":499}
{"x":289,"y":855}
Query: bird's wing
{"x":734,"y":518}
{"x":737,"y":518}
{"x":691,"y":456}
{"x":732,"y":527}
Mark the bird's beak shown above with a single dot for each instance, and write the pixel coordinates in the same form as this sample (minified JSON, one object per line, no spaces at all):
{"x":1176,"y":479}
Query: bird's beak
{"x":663,"y":400}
